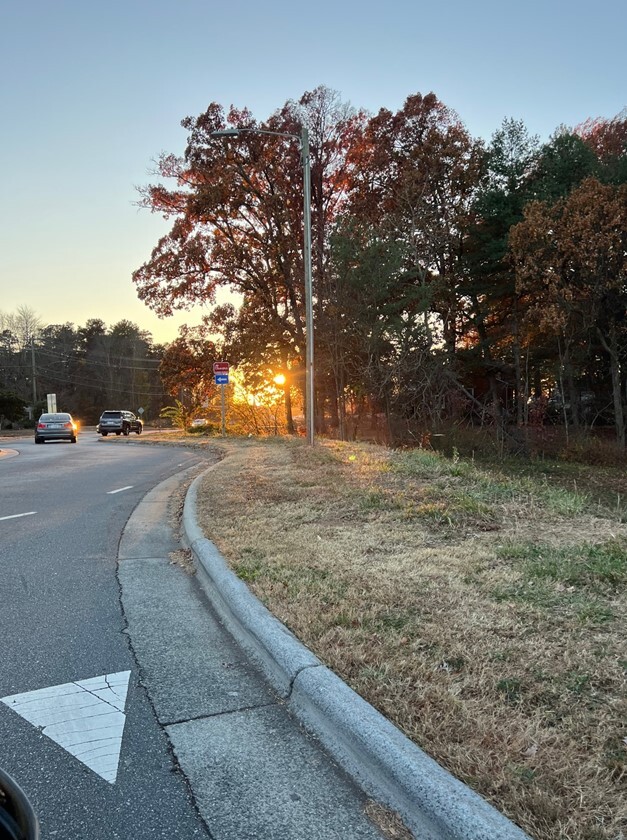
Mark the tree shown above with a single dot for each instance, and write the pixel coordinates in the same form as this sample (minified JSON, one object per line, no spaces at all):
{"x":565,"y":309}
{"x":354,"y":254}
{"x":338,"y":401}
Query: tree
{"x":259,"y":356}
{"x":608,"y":141}
{"x":413,"y":174}
{"x":12,"y":407}
{"x":180,"y":414}
{"x":562,"y":165}
{"x":238,"y":218}
{"x":24,"y":324}
{"x":572,"y":257}
{"x":187,"y":368}
{"x":492,"y":343}
{"x":375,"y":329}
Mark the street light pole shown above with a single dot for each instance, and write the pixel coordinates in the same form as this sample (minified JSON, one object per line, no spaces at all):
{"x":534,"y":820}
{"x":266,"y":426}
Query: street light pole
{"x":309,"y":333}
{"x":303,"y":139}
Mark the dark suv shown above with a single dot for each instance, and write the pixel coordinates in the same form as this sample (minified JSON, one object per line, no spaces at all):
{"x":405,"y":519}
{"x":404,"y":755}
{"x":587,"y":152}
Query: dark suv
{"x":119,"y":423}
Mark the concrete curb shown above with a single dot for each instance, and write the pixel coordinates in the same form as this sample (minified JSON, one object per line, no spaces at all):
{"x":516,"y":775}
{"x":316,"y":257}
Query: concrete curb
{"x":386,"y":764}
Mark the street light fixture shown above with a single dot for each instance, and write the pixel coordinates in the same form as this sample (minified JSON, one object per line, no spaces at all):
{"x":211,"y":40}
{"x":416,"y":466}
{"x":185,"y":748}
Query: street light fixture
{"x":303,"y":139}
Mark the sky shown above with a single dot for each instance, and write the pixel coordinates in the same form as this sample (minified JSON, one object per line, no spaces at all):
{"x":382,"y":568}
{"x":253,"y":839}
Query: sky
{"x":92,"y":93}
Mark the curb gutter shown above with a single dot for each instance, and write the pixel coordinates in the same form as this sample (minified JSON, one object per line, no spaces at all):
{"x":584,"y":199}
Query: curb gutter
{"x":375,"y":753}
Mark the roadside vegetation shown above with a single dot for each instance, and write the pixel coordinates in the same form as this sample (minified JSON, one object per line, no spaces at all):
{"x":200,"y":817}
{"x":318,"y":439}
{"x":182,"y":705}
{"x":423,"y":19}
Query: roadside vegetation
{"x":480,"y":609}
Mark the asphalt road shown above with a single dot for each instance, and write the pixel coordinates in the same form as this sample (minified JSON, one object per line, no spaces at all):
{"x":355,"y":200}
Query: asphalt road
{"x":126,"y":710}
{"x":62,"y":511}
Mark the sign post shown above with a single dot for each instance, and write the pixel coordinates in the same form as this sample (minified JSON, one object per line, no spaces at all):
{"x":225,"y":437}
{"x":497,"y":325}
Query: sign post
{"x":221,"y":376}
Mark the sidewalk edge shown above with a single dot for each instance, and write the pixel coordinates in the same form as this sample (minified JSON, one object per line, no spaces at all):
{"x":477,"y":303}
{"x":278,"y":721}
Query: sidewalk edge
{"x":375,"y":753}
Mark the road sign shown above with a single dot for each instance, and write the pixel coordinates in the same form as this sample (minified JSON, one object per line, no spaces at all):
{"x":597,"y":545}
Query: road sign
{"x":220,"y":367}
{"x":222,"y":378}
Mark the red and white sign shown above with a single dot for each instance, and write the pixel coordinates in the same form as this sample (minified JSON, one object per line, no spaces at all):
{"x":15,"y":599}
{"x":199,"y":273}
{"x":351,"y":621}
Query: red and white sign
{"x":220,"y":367}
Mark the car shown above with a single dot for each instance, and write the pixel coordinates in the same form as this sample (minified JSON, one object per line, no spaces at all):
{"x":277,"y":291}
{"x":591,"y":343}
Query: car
{"x":199,"y":421}
{"x":119,"y":422}
{"x":58,"y":425}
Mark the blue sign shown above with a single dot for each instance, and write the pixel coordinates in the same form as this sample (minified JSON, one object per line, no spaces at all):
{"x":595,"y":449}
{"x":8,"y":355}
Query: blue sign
{"x":222,"y":378}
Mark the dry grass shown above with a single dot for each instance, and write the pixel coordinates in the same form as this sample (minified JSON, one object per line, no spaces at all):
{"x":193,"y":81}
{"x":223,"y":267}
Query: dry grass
{"x":484,"y":615}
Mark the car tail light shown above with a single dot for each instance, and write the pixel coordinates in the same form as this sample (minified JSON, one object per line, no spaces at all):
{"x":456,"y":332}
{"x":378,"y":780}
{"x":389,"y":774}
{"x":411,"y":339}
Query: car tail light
{"x":41,"y":425}
{"x":67,"y":425}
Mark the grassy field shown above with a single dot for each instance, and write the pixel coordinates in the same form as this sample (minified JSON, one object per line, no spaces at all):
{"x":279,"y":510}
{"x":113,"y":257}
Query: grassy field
{"x":482,"y":610}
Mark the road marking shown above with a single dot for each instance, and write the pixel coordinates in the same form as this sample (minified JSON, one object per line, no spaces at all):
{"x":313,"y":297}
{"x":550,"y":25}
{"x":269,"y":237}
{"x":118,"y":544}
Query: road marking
{"x":111,"y":492}
{"x":18,"y":515}
{"x":86,"y":718}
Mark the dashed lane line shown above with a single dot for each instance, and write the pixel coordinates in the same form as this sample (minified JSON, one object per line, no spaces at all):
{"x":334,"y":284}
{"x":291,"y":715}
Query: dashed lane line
{"x":18,"y":515}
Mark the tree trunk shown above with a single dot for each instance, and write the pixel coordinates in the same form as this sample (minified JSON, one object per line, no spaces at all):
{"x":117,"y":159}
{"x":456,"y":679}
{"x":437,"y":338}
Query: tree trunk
{"x":615,"y":368}
{"x":289,"y":419}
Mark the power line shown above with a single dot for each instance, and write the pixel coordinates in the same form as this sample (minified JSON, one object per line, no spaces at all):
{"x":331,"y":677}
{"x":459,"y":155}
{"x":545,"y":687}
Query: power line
{"x":101,"y":386}
{"x":89,"y":361}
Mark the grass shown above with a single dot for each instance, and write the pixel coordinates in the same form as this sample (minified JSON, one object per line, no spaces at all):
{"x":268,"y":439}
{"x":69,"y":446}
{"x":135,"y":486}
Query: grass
{"x":482,"y":610}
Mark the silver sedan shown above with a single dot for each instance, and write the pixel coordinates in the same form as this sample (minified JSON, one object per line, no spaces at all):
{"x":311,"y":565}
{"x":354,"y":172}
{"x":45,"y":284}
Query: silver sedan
{"x":57,"y":426}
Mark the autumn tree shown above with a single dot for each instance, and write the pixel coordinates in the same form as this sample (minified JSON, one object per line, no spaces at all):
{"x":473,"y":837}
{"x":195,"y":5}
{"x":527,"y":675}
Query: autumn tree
{"x":608,"y":140}
{"x":260,"y":356}
{"x":571,"y":256}
{"x":187,"y":368}
{"x":238,"y":217}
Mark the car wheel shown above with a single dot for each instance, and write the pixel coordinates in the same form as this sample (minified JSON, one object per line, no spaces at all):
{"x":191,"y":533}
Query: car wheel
{"x":139,"y":431}
{"x":38,"y":440}
{"x":118,"y":433}
{"x":126,"y":430}
{"x":73,"y":440}
{"x":104,"y":434}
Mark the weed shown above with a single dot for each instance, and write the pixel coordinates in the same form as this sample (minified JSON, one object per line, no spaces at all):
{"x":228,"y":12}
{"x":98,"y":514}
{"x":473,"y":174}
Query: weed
{"x":511,"y":688}
{"x":501,"y":656}
{"x":251,"y":564}
{"x":377,"y":501}
{"x":578,"y":683}
{"x":526,"y":774}
{"x":392,"y":619}
{"x":615,"y":756}
{"x":595,"y":613}
{"x":578,"y":566}
{"x":453,"y":664}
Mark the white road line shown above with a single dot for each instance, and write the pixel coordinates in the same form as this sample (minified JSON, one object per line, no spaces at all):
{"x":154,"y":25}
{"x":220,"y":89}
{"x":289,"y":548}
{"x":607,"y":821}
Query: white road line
{"x":18,"y":515}
{"x":86,"y":718}
{"x":111,"y":492}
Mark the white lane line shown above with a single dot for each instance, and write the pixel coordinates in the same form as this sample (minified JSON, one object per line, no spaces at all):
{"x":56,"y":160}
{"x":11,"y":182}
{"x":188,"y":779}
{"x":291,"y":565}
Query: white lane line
{"x":111,"y":492}
{"x":18,"y":515}
{"x":86,"y":718}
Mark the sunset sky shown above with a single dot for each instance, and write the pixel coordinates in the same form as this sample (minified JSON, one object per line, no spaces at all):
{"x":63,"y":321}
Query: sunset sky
{"x":92,"y":93}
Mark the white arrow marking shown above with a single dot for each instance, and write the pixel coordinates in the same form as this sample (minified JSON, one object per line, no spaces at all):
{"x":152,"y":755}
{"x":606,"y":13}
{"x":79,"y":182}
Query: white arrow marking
{"x":17,"y":515}
{"x":111,"y":492}
{"x":86,"y":718}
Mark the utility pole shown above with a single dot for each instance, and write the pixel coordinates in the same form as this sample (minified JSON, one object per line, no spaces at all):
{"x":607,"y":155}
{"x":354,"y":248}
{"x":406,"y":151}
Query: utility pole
{"x":32,"y":352}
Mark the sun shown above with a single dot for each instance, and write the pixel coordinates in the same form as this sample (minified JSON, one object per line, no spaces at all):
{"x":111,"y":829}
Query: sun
{"x":279,"y":379}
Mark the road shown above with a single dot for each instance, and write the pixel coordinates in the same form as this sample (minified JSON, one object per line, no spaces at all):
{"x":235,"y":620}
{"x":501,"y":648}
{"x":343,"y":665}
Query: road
{"x":126,"y":710}
{"x":62,"y":511}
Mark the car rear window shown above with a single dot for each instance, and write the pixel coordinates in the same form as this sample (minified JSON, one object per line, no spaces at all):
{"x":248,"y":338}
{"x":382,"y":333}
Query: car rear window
{"x":111,"y":414}
{"x":52,"y":418}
